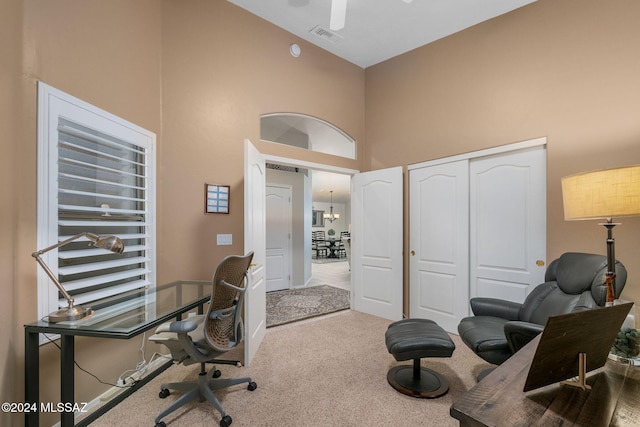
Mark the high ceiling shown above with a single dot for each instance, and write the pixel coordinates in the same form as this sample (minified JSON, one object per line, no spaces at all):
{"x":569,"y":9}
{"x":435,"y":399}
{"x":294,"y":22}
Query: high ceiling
{"x":374,"y":31}
{"x":377,"y":30}
{"x":326,"y":182}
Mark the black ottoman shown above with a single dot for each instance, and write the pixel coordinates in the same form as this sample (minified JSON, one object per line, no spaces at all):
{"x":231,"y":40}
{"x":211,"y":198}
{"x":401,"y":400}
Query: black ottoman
{"x":414,"y":339}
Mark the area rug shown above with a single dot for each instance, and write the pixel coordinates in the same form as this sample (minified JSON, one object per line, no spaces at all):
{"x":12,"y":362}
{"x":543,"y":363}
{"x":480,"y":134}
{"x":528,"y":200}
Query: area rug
{"x":296,"y":304}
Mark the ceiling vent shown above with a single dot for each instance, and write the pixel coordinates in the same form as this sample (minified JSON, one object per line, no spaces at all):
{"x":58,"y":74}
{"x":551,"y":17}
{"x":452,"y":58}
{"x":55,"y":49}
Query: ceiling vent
{"x":282,"y":167}
{"x":325,"y":34}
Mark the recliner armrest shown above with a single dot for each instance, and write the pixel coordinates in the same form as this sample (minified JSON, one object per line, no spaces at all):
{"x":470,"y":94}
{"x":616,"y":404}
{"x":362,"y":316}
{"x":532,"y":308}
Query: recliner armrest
{"x":503,"y":309}
{"x":520,"y":333}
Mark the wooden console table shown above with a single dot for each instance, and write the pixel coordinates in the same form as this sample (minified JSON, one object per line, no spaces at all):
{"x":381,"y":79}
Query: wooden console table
{"x":498,"y":400}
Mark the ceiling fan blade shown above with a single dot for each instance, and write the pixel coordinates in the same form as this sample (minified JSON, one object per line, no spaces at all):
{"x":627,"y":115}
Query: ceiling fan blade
{"x":338,"y":14}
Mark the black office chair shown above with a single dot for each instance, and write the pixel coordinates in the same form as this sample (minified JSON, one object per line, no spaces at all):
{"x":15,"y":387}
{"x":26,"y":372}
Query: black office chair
{"x":200,"y":339}
{"x":575,"y":281}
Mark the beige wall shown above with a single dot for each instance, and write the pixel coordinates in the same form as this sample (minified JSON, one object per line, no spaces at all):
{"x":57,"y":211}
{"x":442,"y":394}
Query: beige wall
{"x":565,"y":69}
{"x":108,"y":54}
{"x":222,"y":69}
{"x":200,"y":72}
{"x":10,"y":60}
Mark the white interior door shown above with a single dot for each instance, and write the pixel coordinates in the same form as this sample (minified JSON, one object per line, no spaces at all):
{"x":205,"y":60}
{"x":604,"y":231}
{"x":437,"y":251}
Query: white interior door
{"x":508,"y":224}
{"x":278,"y":237}
{"x":376,"y":242}
{"x":255,"y":316}
{"x":438,"y":243}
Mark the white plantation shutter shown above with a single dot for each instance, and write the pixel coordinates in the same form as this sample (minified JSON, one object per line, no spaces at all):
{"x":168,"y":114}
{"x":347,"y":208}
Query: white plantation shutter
{"x":96,"y":173}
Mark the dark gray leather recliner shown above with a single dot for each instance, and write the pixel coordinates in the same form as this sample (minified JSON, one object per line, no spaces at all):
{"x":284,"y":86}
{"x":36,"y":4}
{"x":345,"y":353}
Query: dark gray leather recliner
{"x":499,"y":328}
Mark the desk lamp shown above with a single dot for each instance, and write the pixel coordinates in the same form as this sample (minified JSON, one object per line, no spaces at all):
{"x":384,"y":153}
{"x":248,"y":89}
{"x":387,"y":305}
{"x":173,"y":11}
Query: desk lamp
{"x":603,"y":195}
{"x":74,"y":312}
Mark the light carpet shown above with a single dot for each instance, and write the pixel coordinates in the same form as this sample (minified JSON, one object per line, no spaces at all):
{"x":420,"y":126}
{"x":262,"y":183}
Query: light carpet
{"x":292,"y":305}
{"x":327,"y":371}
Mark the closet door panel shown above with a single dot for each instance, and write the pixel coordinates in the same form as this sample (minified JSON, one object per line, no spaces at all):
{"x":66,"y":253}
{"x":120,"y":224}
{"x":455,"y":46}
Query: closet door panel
{"x":507,"y":224}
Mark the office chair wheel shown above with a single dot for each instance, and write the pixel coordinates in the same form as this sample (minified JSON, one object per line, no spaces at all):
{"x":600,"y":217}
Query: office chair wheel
{"x":252,"y":386}
{"x":226,"y":421}
{"x":163,"y":393}
{"x":161,"y":424}
{"x":216,"y":373}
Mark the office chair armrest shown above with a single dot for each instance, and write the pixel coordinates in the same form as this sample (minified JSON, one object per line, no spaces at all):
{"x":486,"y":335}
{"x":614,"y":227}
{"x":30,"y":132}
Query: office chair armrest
{"x":495,"y":307}
{"x":235,"y":288}
{"x":520,"y":333}
{"x":179,"y":326}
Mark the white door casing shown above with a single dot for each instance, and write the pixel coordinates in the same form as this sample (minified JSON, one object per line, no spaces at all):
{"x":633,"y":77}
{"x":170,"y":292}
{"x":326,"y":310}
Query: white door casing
{"x":255,"y":317}
{"x":255,"y":238}
{"x":438,"y":243}
{"x":278,"y":237}
{"x":508,"y":224}
{"x":376,"y":239}
{"x":308,"y":207}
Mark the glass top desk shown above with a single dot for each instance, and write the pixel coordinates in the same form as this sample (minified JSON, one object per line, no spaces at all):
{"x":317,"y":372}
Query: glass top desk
{"x":121,"y":317}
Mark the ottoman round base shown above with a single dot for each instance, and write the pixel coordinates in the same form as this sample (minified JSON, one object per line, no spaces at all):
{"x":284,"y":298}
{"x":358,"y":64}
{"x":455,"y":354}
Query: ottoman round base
{"x":430,"y":384}
{"x":414,"y":339}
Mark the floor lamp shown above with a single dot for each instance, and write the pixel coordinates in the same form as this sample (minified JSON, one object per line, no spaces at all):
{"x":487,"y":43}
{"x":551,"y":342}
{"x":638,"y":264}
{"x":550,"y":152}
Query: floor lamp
{"x":603,"y":195}
{"x":75,"y":312}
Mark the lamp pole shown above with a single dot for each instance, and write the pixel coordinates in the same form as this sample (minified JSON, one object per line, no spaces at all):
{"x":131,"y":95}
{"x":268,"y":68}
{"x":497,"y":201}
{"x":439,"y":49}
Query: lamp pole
{"x":611,"y":261}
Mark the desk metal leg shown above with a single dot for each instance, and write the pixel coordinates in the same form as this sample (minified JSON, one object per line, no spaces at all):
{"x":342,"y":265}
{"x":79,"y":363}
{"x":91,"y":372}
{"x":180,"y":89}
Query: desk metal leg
{"x":67,"y":378}
{"x":32,"y":376}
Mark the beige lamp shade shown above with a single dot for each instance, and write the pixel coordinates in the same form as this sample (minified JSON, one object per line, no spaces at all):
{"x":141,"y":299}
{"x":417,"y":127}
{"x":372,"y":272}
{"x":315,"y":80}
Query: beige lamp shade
{"x":602,"y":194}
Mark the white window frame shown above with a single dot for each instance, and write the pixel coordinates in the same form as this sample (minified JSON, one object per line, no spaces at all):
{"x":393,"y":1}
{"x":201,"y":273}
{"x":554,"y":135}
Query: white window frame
{"x":54,"y":104}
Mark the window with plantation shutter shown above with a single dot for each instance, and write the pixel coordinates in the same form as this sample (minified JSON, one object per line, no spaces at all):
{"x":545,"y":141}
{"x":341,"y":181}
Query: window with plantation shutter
{"x":96,"y":173}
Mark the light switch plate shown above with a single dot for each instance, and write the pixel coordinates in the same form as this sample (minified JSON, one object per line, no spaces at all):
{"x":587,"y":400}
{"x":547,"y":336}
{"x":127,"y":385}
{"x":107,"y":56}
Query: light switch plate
{"x":224,"y":239}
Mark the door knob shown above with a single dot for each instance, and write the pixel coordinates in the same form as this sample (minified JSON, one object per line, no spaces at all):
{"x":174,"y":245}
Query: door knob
{"x":540,"y":263}
{"x":413,"y":253}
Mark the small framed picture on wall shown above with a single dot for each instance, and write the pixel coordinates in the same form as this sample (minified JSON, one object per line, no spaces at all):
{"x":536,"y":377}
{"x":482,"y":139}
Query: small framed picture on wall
{"x":216,"y":198}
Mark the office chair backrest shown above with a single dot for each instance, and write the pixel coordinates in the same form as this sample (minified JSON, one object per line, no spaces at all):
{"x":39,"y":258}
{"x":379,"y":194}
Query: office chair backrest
{"x":223,"y":325}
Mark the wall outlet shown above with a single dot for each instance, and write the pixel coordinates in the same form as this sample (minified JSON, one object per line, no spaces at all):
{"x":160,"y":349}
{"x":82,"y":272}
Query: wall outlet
{"x":224,"y":239}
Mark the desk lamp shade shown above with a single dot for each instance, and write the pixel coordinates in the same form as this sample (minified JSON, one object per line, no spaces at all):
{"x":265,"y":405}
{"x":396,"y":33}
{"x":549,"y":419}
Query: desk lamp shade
{"x":603,"y":195}
{"x":75,"y":312}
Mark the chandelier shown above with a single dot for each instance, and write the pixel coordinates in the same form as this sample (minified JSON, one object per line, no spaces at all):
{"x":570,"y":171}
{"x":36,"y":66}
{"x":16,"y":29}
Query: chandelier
{"x":331,"y":216}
